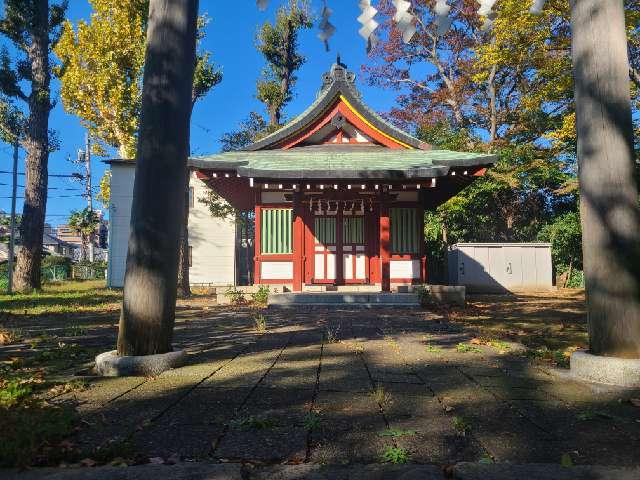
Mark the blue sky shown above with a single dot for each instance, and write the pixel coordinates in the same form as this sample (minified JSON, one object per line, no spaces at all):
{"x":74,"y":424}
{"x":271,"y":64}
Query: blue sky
{"x":231,"y":39}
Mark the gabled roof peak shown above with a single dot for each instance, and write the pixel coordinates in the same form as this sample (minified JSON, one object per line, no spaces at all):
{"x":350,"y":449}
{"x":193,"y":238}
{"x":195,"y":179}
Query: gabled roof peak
{"x":338,"y":74}
{"x":338,"y":90}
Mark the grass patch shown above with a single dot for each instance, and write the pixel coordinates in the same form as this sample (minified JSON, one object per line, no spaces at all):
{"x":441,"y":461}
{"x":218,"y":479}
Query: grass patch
{"x":312,"y":421}
{"x":558,"y":358}
{"x":461,"y":425}
{"x":333,"y":334}
{"x":381,"y":396}
{"x":594,"y":415}
{"x":32,"y":429}
{"x":394,"y":455}
{"x":75,"y":330}
{"x":260,"y":322}
{"x":433,"y":348}
{"x":550,"y":320}
{"x":253,"y":423}
{"x":466,"y":348}
{"x":63,"y":297}
{"x":396,"y":433}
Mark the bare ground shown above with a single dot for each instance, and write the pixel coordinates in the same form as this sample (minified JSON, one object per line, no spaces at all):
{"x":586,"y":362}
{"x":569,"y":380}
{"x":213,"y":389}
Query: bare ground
{"x":333,"y":386}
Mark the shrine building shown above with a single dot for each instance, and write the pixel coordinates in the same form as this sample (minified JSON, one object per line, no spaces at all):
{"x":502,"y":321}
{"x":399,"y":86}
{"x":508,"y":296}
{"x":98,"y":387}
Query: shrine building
{"x":336,"y":197}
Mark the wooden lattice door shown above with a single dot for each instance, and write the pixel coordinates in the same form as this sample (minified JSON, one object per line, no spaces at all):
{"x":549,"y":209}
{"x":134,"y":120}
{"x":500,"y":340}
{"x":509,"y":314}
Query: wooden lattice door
{"x":354,"y":255}
{"x":325,"y":249}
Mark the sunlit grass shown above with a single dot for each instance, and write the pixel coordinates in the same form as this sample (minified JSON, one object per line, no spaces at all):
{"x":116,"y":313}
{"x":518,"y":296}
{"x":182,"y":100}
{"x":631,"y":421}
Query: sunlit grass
{"x":63,"y":297}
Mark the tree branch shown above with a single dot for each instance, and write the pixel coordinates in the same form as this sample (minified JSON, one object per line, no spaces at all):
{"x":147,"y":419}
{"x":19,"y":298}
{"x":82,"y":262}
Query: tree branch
{"x":634,"y":73}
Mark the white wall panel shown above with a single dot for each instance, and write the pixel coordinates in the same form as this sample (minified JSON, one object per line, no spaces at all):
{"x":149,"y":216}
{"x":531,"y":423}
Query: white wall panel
{"x":276,"y":270}
{"x":401,"y":269}
{"x":212,"y":240}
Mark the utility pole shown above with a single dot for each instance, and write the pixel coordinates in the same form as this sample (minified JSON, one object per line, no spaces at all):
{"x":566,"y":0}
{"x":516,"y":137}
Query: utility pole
{"x":12,"y":231}
{"x":87,"y":164}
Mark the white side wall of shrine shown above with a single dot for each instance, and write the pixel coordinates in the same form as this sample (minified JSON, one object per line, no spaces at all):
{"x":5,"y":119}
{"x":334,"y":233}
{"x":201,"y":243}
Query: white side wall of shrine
{"x":212,"y":240}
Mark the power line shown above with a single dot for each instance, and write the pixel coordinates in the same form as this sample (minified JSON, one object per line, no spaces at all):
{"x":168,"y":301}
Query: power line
{"x":51,"y":175}
{"x":70,"y":189}
{"x":58,"y":196}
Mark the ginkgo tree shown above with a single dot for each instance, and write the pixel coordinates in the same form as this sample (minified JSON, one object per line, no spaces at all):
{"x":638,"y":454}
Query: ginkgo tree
{"x":101,"y":69}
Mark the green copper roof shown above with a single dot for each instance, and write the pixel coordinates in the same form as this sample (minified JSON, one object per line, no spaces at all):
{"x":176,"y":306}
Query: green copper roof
{"x":331,"y":162}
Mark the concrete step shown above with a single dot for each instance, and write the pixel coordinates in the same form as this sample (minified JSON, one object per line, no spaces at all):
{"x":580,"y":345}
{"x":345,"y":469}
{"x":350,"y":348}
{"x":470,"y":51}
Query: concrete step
{"x":361,"y":299}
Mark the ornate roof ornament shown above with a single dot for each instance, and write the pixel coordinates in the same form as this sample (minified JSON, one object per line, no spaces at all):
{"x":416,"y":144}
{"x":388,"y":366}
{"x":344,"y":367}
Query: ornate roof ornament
{"x":338,"y":73}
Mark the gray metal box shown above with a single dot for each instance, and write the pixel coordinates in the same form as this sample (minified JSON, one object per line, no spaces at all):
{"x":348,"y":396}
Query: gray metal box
{"x":499,"y":267}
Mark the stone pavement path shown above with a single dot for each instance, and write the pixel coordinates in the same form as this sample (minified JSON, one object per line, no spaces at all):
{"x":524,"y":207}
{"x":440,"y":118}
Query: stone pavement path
{"x":342,"y":387}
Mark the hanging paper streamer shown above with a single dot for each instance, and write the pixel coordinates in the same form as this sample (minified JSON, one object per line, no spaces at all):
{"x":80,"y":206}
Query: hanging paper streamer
{"x":486,"y":11}
{"x":369,"y":25}
{"x":326,"y":28}
{"x":405,"y":20}
{"x":262,"y":4}
{"x":537,"y":7}
{"x":443,"y":22}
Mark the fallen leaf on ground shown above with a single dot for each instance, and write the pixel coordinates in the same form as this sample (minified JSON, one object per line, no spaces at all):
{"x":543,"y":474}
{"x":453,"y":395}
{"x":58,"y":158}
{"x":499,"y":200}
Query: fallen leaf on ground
{"x":635,"y":402}
{"x":88,"y":462}
{"x":156,"y":460}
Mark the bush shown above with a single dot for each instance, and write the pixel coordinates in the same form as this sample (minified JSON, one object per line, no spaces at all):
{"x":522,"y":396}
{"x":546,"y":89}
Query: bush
{"x":261,"y":297}
{"x":55,"y":267}
{"x":86,"y":270}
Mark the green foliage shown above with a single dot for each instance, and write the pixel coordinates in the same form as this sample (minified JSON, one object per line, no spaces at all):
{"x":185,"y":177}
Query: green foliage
{"x":433,"y":348}
{"x":56,"y":261}
{"x":19,"y":26}
{"x":260,"y":322}
{"x":381,"y":396}
{"x":261,"y":297}
{"x":218,"y":206}
{"x":395,"y":455}
{"x":565,"y":235}
{"x":466,"y":348}
{"x":13,"y":392}
{"x":102,"y":63}
{"x":278,"y":44}
{"x":461,"y":425}
{"x":249,"y":131}
{"x":396,"y":432}
{"x":311,"y":421}
{"x":235,"y":296}
{"x":254,"y":423}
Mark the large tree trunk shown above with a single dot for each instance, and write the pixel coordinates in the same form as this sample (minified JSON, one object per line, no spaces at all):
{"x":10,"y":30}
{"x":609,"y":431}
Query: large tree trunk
{"x":148,"y":307}
{"x":608,"y":191}
{"x":36,"y":142}
{"x":184,"y":290}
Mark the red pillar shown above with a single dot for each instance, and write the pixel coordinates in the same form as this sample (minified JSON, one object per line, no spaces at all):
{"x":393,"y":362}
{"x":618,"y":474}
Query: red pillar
{"x":385,"y":247}
{"x":298,"y":244}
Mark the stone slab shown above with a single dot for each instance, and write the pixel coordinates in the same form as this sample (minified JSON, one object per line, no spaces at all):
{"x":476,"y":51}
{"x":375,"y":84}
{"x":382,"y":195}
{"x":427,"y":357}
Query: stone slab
{"x":478,"y":471}
{"x":623,"y":372}
{"x":109,"y":364}
{"x":341,"y":298}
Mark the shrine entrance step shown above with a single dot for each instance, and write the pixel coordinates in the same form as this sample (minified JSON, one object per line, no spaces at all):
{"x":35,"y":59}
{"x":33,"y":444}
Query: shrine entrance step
{"x":341,"y":299}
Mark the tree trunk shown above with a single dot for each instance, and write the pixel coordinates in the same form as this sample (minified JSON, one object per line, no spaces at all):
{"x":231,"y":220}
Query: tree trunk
{"x":149,"y":301}
{"x":36,"y":142}
{"x":184,"y":290}
{"x":493,"y":112}
{"x":608,"y":190}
